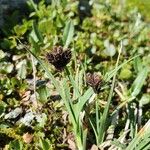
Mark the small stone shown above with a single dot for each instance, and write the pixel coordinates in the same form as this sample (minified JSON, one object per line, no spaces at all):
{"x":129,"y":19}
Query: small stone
{"x":27,"y":138}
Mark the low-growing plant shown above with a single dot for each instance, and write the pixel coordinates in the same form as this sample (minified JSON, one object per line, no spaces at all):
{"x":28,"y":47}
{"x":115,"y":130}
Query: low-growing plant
{"x":75,"y":79}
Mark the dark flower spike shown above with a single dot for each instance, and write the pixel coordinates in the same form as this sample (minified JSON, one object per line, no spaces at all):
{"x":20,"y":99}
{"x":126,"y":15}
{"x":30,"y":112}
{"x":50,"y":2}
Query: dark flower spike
{"x":59,"y":58}
{"x":94,"y":81}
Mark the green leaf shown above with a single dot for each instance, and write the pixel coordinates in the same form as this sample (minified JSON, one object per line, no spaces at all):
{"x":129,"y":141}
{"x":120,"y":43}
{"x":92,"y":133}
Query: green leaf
{"x":138,"y":66}
{"x":9,"y":68}
{"x":144,"y":135}
{"x":20,"y":29}
{"x":84,"y":138}
{"x":111,"y":73}
{"x":125,"y":73}
{"x":2,"y":109}
{"x":45,"y":144}
{"x":68,"y":33}
{"x":43,"y":94}
{"x":15,"y":82}
{"x":35,"y":47}
{"x":65,"y":94}
{"x":144,"y":144}
{"x":35,"y":34}
{"x":74,"y":83}
{"x":6,"y":44}
{"x":80,"y":80}
{"x":145,"y":99}
{"x":41,"y":119}
{"x":33,"y":5}
{"x":22,"y":69}
{"x":94,"y":129}
{"x":82,"y":101}
{"x":16,"y":145}
{"x":46,"y":26}
{"x":139,"y":82}
{"x":2,"y":54}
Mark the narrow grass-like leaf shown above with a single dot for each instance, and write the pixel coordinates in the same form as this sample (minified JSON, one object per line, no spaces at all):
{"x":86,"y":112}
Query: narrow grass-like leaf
{"x":76,"y":93}
{"x":80,"y":80}
{"x":35,"y":34}
{"x":84,"y":138}
{"x":73,"y":82}
{"x":94,"y":129}
{"x":142,"y":134}
{"x":139,"y":81}
{"x":68,"y":33}
{"x":143,"y":143}
{"x":103,"y":123}
{"x":97,"y":122}
{"x":138,"y":66}
{"x":66,"y":89}
{"x":33,"y":5}
{"x":111,"y":73}
{"x":44,"y":144}
{"x":67,"y":100}
{"x":146,"y":147}
{"x":82,"y":101}
{"x":79,"y":134}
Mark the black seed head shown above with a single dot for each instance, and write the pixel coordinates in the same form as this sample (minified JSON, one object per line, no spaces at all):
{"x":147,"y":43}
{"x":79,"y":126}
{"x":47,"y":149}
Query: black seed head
{"x":94,"y":81}
{"x":59,"y":57}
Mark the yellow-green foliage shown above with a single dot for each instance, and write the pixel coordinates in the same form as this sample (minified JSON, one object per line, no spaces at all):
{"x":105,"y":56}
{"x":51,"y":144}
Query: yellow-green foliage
{"x":10,"y":132}
{"x":142,"y":5}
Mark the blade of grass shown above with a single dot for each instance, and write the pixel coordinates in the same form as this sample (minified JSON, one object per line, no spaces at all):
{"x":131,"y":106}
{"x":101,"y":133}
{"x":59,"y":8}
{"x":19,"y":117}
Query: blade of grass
{"x":82,"y":100}
{"x":68,"y":33}
{"x":139,"y":81}
{"x":68,"y":103}
{"x":79,"y":134}
{"x":33,"y":5}
{"x":97,"y":121}
{"x":103,"y":123}
{"x":110,"y":74}
{"x":80,"y":79}
{"x":144,"y":142}
{"x":76,"y":90}
{"x":146,"y":147}
{"x":141,"y":135}
{"x":94,"y":129}
{"x":74,"y":85}
{"x":37,"y":32}
{"x":84,"y":138}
